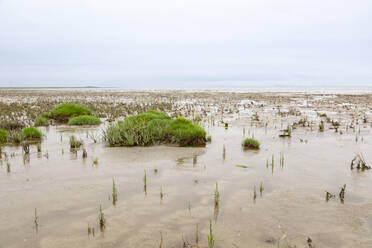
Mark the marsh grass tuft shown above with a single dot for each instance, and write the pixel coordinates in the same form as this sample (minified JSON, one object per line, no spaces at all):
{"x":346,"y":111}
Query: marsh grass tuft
{"x":251,"y":143}
{"x":31,"y":133}
{"x":38,"y":146}
{"x":286,"y":132}
{"x":41,"y":121}
{"x":329,"y":196}
{"x":4,"y":136}
{"x":90,"y":230}
{"x":75,"y":143}
{"x":153,"y":127}
{"x":194,"y":159}
{"x":66,"y":110}
{"x":360,"y":163}
{"x":84,"y":120}
{"x":321,"y":126}
{"x":93,"y":136}
{"x":101,"y":219}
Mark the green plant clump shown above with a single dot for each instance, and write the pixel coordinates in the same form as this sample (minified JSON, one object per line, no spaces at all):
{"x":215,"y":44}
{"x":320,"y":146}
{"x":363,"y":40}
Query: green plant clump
{"x":75,"y":143}
{"x":84,"y":120}
{"x":41,"y":121}
{"x":153,"y":127}
{"x":251,"y":143}
{"x":31,"y":133}
{"x":4,"y":135}
{"x":66,"y":110}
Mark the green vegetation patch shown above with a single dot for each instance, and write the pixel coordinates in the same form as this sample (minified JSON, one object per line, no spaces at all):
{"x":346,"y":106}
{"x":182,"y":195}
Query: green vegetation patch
{"x":66,"y":110}
{"x":41,"y":121}
{"x":185,"y":133}
{"x":4,"y":135}
{"x":75,"y":143}
{"x":250,"y":143}
{"x":31,"y":133}
{"x":84,"y":120}
{"x":153,"y":127}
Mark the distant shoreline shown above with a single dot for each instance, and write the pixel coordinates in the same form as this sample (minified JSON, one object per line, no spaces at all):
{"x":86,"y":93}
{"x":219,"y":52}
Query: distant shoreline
{"x":269,"y":90}
{"x":52,"y":87}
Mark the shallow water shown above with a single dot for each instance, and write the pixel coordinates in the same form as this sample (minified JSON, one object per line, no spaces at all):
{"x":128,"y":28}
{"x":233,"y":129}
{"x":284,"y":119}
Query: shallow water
{"x":67,"y":191}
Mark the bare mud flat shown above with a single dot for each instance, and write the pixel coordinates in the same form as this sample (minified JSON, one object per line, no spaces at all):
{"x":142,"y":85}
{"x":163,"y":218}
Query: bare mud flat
{"x":67,"y":190}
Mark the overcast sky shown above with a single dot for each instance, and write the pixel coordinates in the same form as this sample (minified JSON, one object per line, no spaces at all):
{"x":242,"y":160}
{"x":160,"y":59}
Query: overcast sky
{"x":185,"y":43}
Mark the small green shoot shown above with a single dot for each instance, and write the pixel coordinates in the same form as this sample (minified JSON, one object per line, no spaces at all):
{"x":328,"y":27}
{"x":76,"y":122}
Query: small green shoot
{"x":194,"y":159}
{"x":216,"y":196}
{"x":321,"y":126}
{"x":114,"y":193}
{"x":101,"y":218}
{"x":281,"y":160}
{"x":254,"y":193}
{"x":36,"y":219}
{"x":145,"y":182}
{"x":210,"y":236}
{"x":342,"y":194}
{"x":261,"y":188}
{"x":197,"y":234}
{"x":224,"y":152}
